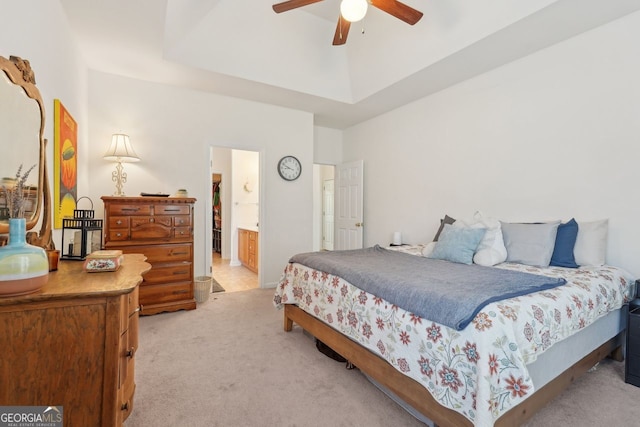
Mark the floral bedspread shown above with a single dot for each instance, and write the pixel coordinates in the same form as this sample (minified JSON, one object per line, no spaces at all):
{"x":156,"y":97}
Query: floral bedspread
{"x":480,"y":371}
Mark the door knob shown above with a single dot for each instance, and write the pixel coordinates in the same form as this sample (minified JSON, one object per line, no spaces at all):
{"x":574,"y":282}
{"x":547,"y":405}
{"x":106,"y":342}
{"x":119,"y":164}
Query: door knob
{"x":359,"y":224}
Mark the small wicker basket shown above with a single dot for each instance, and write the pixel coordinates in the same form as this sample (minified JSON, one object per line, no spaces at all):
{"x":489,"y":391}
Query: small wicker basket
{"x":202,"y":288}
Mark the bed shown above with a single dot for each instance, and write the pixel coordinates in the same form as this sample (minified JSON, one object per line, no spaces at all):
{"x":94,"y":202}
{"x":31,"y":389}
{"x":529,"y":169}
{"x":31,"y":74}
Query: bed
{"x":514,"y":356}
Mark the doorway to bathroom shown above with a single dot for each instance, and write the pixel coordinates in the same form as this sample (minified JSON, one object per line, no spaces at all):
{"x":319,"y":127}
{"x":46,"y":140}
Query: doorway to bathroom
{"x":235,"y":201}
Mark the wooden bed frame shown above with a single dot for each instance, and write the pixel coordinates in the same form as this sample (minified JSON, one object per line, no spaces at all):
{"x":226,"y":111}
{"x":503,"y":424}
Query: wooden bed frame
{"x":418,"y":396}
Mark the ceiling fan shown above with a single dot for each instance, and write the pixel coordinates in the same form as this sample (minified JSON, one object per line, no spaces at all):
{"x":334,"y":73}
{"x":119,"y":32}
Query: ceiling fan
{"x":354,"y":10}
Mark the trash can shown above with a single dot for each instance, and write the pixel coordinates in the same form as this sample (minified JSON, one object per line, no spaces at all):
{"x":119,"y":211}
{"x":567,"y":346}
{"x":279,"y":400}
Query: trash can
{"x":202,"y":288}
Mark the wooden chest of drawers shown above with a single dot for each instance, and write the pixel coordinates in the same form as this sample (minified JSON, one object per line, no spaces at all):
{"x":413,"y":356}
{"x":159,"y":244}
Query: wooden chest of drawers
{"x":161,"y":228}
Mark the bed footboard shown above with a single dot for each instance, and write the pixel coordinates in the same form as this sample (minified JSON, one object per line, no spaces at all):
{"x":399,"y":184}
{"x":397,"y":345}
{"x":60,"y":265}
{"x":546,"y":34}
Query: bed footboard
{"x":419,"y":397}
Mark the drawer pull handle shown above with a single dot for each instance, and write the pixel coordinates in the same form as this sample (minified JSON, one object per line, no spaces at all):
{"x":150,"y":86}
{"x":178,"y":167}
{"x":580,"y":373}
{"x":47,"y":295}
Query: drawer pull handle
{"x":130,"y":353}
{"x":172,"y":210}
{"x":183,"y":291}
{"x":179,"y":272}
{"x":119,"y":222}
{"x":130,"y":209}
{"x":179,"y":253}
{"x":118,"y":234}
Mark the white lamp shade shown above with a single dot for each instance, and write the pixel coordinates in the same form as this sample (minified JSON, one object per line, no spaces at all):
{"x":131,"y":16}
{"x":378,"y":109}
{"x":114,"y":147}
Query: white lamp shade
{"x":121,"y":149}
{"x":353,"y":10}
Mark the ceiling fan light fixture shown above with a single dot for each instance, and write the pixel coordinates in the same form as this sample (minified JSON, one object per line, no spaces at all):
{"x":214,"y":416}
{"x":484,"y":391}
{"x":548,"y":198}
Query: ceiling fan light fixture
{"x":353,"y":10}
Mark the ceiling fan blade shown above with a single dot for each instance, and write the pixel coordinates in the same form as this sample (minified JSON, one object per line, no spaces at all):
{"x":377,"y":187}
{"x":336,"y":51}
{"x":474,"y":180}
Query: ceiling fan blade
{"x":342,"y":31}
{"x":291,"y":4}
{"x":399,"y":10}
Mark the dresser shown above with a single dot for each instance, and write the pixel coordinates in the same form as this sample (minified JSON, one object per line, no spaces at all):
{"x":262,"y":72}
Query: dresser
{"x":248,"y":248}
{"x":161,"y":228}
{"x":73,"y":344}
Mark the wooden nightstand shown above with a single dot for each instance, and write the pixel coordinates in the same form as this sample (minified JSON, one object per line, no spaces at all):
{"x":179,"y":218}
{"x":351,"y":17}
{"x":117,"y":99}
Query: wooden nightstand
{"x":632,"y":360}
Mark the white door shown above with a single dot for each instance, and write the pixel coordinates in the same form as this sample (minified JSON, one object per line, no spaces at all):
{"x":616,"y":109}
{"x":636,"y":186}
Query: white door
{"x":348,"y":209}
{"x":327,"y":214}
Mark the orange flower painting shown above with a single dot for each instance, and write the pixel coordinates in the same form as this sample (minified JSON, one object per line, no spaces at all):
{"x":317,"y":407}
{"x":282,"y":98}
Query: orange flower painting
{"x":65,"y":163}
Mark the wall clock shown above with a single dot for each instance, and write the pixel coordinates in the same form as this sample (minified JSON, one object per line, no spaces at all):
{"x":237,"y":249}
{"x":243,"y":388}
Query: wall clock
{"x":289,"y":168}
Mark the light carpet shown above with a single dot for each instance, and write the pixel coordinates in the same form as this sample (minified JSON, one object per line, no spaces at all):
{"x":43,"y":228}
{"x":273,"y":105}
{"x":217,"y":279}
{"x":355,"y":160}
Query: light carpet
{"x":229,"y":363}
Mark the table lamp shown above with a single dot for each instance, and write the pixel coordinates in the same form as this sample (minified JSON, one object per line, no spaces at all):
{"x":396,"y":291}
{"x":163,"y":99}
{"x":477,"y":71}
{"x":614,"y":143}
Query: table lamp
{"x":120,"y":151}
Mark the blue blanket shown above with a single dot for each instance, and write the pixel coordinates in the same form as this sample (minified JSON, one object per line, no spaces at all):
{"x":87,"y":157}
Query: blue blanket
{"x":444,"y":292}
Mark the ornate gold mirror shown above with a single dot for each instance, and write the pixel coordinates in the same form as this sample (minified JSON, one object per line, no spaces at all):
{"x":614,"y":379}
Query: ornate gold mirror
{"x":23,"y":145}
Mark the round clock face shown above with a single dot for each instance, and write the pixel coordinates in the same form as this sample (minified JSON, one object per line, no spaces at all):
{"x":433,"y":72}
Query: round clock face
{"x":289,"y":168}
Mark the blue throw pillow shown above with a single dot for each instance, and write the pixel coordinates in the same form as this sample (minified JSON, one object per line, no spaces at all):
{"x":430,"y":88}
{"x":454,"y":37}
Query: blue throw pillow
{"x":457,"y":244}
{"x":565,"y":242}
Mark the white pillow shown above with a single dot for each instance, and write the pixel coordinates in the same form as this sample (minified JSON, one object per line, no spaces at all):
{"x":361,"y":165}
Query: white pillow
{"x":428,"y":249}
{"x":591,"y":243}
{"x":491,"y":250}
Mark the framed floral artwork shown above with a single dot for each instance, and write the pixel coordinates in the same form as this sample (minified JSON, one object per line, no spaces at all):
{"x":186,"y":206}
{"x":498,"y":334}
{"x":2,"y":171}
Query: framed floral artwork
{"x":65,"y":163}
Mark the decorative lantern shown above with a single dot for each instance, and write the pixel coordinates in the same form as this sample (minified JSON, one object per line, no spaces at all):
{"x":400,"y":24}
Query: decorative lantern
{"x":81,"y":234}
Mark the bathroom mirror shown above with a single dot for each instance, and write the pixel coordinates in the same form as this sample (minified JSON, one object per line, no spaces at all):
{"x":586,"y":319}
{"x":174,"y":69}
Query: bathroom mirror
{"x":22,"y":144}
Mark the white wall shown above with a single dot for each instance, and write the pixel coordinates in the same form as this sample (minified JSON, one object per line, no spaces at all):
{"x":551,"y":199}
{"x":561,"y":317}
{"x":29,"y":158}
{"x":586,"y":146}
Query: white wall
{"x":39,"y":34}
{"x":173,"y":130}
{"x":552,"y":136}
{"x":327,"y":147}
